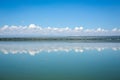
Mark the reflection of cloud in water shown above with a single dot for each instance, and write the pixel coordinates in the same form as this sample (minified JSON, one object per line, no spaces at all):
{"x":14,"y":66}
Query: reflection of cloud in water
{"x":33,"y":48}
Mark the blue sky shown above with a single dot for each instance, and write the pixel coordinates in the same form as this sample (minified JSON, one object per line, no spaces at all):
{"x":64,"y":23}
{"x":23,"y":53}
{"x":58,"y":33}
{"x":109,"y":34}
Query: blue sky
{"x":61,"y":13}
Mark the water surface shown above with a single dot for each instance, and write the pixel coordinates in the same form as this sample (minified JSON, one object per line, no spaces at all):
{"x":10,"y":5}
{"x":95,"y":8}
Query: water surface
{"x":59,"y":61}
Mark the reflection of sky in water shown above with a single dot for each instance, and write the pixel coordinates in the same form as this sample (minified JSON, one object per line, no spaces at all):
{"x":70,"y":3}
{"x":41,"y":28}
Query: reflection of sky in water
{"x":33,"y":48}
{"x":59,"y":61}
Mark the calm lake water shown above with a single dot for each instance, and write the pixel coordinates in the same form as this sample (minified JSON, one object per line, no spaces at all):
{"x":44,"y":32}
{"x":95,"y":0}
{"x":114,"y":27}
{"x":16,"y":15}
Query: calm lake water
{"x":59,"y":61}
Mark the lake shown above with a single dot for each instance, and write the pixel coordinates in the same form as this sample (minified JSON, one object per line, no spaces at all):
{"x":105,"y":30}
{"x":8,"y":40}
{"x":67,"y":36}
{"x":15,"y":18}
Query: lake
{"x":44,"y":60}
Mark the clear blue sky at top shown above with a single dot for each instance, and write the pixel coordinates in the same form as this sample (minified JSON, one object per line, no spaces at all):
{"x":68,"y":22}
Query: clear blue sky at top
{"x":61,"y":13}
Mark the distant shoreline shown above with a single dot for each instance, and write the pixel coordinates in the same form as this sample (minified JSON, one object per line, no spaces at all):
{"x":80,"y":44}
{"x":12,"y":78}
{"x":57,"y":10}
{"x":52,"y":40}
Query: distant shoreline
{"x":65,"y":38}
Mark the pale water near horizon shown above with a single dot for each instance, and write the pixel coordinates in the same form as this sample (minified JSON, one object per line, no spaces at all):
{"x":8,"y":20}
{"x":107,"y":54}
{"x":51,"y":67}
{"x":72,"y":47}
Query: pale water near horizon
{"x":59,"y":61}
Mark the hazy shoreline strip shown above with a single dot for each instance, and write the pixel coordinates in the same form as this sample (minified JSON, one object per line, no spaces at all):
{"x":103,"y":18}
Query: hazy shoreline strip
{"x":66,"y":38}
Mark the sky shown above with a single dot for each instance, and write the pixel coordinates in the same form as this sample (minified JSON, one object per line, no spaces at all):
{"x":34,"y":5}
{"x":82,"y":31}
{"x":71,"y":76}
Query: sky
{"x":90,"y":14}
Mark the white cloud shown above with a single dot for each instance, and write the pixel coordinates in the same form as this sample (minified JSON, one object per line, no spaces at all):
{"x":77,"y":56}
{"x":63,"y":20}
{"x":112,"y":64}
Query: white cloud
{"x":99,"y":29}
{"x":78,"y":28}
{"x":4,"y":27}
{"x":35,"y":30}
{"x":115,"y":29}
